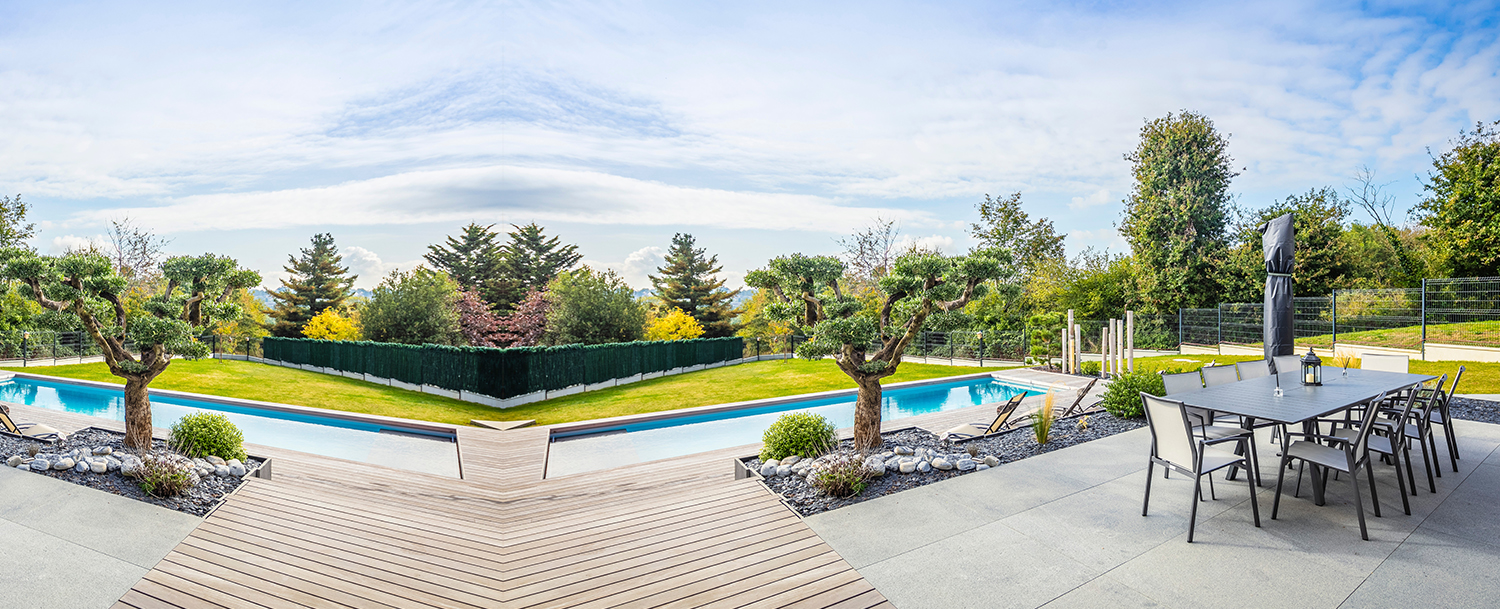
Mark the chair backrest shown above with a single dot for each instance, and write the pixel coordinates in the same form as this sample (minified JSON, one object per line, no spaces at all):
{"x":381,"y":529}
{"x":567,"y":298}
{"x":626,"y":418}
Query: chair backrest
{"x":1361,"y":445}
{"x":1453,"y":389}
{"x":1182,"y":382}
{"x":1213,"y":376}
{"x":1383,"y":362}
{"x":1253,"y":369}
{"x":1287,"y":363}
{"x":1428,"y":399}
{"x":1003,"y":412}
{"x":1171,"y":438}
{"x":6,"y":424}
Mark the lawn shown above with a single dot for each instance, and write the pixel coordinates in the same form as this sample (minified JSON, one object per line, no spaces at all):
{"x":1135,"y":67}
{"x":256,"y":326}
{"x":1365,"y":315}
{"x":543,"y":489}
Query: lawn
{"x":269,"y":383}
{"x":1483,"y":333}
{"x":1480,"y":377}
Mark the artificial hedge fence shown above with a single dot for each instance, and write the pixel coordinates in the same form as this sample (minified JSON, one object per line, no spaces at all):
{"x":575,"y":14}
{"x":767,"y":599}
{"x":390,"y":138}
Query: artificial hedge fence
{"x":503,"y":373}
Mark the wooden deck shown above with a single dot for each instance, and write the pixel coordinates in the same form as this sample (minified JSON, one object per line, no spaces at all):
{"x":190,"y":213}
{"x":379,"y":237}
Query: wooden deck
{"x":332,"y":533}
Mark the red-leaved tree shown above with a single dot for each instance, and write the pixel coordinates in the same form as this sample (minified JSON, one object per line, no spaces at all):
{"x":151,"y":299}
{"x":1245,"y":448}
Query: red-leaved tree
{"x":480,"y":326}
{"x":524,"y":326}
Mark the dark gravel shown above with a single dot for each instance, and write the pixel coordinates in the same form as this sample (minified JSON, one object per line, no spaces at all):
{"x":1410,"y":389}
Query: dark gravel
{"x":199,"y":500}
{"x":1468,"y":409}
{"x":1007,"y":447}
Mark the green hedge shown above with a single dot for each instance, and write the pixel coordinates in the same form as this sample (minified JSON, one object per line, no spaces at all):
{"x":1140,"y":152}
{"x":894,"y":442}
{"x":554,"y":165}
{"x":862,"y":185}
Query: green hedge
{"x":503,"y":373}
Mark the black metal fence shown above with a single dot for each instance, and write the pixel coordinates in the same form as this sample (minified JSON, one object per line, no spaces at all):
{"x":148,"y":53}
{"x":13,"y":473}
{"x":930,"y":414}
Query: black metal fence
{"x":35,"y":347}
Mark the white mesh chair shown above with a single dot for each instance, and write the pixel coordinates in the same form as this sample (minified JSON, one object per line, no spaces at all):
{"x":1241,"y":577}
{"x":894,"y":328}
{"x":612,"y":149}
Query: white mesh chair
{"x":1174,"y":447}
{"x":1347,"y":457}
{"x":1213,"y":376}
{"x":1253,"y":369}
{"x":1387,"y":444}
{"x":1182,"y":382}
{"x":1383,"y":362}
{"x":1206,"y":423}
{"x":1287,"y":363}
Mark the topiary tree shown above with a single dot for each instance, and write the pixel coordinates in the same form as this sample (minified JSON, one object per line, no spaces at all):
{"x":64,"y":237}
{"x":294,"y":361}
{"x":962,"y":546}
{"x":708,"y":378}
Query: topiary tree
{"x":137,"y":347}
{"x":868,"y":347}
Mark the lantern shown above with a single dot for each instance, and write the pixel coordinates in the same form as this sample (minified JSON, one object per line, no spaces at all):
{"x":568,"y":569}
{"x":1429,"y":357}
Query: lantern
{"x":1312,"y":368}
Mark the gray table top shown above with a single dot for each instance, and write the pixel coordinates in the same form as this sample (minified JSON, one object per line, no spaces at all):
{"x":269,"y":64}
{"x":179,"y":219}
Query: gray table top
{"x":1256,"y":397}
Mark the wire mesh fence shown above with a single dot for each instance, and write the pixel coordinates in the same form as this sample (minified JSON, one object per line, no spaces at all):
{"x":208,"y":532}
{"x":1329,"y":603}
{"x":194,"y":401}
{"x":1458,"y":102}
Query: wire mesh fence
{"x":42,"y":346}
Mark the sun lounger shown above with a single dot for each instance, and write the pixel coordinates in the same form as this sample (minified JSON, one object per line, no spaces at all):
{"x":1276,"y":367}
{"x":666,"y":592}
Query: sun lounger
{"x":34,"y":431}
{"x":977,"y":430}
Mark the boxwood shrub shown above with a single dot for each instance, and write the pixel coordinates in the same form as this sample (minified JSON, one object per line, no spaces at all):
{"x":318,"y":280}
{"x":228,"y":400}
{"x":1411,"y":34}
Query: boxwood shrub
{"x":798,"y":433}
{"x":1122,"y":397}
{"x":201,"y":434}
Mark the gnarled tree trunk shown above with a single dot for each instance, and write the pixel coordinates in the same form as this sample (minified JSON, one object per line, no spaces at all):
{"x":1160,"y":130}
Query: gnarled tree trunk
{"x":867,"y":413}
{"x":137,"y":414}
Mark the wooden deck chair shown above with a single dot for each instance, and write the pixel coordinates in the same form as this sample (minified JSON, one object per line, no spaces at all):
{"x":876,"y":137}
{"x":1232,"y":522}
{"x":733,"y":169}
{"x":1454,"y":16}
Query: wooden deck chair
{"x":1074,"y":408}
{"x":974,"y":430}
{"x":33,"y":431}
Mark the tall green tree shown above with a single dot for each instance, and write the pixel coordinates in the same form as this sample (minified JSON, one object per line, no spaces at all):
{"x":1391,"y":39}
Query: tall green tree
{"x":686,"y":281}
{"x":868,"y":347}
{"x":416,"y":307}
{"x":14,"y":229}
{"x":587,"y":307}
{"x":317,"y":282}
{"x":1462,"y":207}
{"x":1177,"y":215}
{"x":1385,"y":252}
{"x":85,"y":285}
{"x":531,"y":260}
{"x":1003,"y":224}
{"x":474,"y":260}
{"x":1322,"y":259}
{"x":1095,"y":284}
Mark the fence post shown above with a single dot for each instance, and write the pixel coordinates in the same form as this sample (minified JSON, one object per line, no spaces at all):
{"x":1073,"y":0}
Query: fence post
{"x":1130,"y":341}
{"x":1219,"y":344}
{"x":1179,"y":330}
{"x":54,"y":348}
{"x":1424,"y":319}
{"x":1335,"y":305}
{"x":981,"y":349}
{"x":25,"y":348}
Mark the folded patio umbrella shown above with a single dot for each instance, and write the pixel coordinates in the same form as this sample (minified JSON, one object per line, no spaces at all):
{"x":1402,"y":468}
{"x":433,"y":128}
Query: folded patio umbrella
{"x":1277,"y":241}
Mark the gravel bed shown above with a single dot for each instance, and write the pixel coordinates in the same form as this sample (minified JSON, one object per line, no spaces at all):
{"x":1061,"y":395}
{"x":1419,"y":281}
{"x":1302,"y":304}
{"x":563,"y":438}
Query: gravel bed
{"x":1469,"y":409}
{"x":1007,"y":447}
{"x":198,"y":500}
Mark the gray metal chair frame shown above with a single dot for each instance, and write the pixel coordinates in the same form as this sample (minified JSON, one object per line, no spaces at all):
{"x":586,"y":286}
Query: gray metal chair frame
{"x":1443,"y":417}
{"x":1206,"y":423}
{"x":1347,"y":458}
{"x":1172,"y":442}
{"x":1386,"y":444}
{"x":1287,"y":363}
{"x":1253,"y":369}
{"x":1213,"y":376}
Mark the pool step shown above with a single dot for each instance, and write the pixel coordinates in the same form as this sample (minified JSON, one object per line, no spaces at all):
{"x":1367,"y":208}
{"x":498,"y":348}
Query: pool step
{"x":502,"y":425}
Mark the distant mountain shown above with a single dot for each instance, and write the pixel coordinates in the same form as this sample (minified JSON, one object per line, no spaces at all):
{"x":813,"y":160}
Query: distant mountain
{"x":265,"y":299}
{"x":644,"y":292}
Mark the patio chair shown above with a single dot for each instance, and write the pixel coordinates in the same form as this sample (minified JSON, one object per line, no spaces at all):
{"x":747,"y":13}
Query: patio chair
{"x":1287,"y":363}
{"x":969,"y":431}
{"x":1345,"y":457}
{"x":1206,"y":423}
{"x":1213,"y":376}
{"x":1383,"y":362}
{"x":1174,"y":448}
{"x":1443,"y":417}
{"x":32,"y":431}
{"x":1253,"y":369}
{"x":1082,"y":393}
{"x":1388,"y":445}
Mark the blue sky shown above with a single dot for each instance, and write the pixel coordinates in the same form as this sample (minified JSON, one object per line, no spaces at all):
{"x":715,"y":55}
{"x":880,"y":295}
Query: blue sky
{"x":761,"y":128}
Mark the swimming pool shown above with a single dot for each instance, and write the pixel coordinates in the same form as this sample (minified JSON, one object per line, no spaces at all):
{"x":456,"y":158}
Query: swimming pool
{"x":381,"y":444}
{"x":634,"y":442}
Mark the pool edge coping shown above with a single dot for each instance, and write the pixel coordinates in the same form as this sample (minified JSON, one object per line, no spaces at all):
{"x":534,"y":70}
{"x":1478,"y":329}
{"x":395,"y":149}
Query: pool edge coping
{"x":441,"y":428}
{"x":584,"y":426}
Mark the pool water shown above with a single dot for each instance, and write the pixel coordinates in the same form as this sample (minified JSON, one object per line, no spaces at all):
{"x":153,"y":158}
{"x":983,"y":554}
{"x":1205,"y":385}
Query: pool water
{"x":408,"y":449}
{"x":597,"y":449}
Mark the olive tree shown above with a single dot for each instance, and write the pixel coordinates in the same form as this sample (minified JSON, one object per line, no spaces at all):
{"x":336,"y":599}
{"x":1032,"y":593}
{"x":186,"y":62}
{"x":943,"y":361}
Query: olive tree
{"x":137,"y":343}
{"x":868,"y":345}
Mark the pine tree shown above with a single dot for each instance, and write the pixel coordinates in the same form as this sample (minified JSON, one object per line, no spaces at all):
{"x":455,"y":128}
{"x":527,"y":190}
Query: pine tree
{"x":473,"y":260}
{"x":317,"y":283}
{"x":686,"y":281}
{"x":529,"y":262}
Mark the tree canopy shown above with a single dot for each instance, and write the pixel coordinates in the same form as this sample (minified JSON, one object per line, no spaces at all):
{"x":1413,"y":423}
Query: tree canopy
{"x":588,"y":307}
{"x":474,"y":260}
{"x":1004,"y":225}
{"x":686,"y":282}
{"x":532,"y":260}
{"x":1177,"y":213}
{"x":1322,"y":262}
{"x":1462,"y":207}
{"x":14,"y":229}
{"x":317,"y":283}
{"x":413,"y":307}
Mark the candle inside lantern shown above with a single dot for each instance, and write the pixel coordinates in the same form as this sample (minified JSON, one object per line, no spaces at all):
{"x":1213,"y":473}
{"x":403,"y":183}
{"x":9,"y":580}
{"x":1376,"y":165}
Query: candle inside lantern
{"x":1310,"y":378}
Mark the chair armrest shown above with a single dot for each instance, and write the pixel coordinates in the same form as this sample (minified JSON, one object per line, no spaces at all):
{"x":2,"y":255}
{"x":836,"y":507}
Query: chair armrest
{"x":1224,"y":439}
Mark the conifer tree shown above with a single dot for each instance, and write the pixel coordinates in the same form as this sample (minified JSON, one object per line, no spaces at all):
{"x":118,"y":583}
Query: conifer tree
{"x":686,"y":281}
{"x":317,"y":283}
{"x":529,"y":262}
{"x":474,"y":261}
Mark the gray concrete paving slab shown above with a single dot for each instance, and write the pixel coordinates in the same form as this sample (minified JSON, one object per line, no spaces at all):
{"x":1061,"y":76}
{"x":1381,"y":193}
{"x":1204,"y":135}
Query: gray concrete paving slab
{"x":1432,"y":569}
{"x":873,"y":531}
{"x":1103,"y":591}
{"x":968,"y":571}
{"x":44,"y":571}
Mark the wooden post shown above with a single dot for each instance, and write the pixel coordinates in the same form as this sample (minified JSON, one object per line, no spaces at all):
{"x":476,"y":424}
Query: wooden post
{"x":1068,"y":346}
{"x":1077,"y":346}
{"x":1104,"y":351}
{"x":1130,"y":339}
{"x":1119,"y":346}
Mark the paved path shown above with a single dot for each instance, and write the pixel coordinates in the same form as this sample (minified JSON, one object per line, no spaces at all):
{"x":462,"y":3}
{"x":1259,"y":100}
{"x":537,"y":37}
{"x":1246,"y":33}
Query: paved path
{"x":1064,"y":529}
{"x":66,"y":545}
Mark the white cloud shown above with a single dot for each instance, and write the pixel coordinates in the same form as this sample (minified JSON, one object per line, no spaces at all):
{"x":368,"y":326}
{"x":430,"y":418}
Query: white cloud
{"x":369,"y":267}
{"x":1102,"y":239}
{"x":939,"y":243}
{"x":1099,"y":197}
{"x":68,"y":243}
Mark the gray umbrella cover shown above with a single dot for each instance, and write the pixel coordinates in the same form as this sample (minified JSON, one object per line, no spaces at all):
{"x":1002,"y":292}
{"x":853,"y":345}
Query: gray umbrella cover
{"x":1277,"y":239}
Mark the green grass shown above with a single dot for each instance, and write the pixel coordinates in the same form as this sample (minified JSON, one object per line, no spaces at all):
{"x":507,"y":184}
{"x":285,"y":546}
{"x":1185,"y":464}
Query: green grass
{"x":1485,"y":333}
{"x":1481,"y":377}
{"x":269,"y":383}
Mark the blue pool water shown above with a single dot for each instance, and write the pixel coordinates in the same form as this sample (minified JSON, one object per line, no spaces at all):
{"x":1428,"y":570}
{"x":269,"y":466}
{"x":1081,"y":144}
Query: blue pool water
{"x":354,"y":440}
{"x":647,"y":441}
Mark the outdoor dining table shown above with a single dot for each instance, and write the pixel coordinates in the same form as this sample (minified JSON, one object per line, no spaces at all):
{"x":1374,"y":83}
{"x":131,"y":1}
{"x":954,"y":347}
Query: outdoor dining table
{"x":1256,"y":399}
